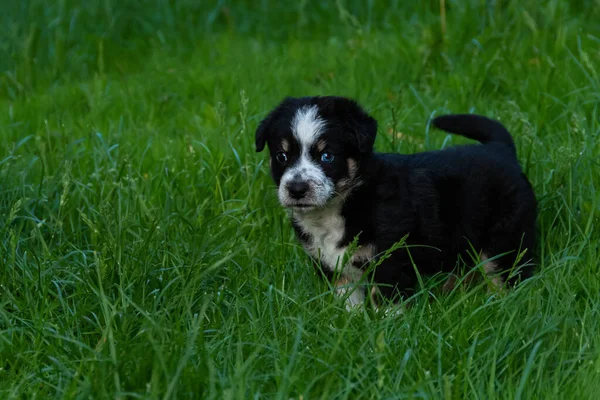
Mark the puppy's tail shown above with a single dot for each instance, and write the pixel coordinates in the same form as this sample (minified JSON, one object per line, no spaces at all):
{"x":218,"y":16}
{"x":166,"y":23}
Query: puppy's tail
{"x":477,"y":127}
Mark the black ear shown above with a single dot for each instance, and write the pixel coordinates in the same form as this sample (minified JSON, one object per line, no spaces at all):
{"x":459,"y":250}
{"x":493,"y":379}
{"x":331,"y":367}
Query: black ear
{"x":262,"y":132}
{"x":361,"y":127}
{"x":365,"y":131}
{"x":266,"y":126}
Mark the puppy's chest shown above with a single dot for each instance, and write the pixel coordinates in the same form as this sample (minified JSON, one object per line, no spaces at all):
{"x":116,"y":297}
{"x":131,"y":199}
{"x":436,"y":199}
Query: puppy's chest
{"x":323,"y":231}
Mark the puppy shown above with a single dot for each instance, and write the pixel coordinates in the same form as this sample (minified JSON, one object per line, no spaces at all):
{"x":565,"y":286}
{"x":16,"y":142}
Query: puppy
{"x":451,"y":203}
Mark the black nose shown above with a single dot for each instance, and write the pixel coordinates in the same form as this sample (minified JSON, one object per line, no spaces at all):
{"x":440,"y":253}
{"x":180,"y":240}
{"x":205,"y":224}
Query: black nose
{"x":297,"y":189}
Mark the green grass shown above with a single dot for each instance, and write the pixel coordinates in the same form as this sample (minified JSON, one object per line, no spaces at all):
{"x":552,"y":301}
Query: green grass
{"x":143,"y":253}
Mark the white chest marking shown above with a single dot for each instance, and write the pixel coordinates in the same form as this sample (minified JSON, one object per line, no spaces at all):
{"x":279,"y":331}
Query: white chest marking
{"x":326,"y":229}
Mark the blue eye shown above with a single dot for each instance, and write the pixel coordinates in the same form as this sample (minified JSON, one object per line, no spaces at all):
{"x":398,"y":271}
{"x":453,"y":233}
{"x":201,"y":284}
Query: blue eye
{"x":327,"y":157}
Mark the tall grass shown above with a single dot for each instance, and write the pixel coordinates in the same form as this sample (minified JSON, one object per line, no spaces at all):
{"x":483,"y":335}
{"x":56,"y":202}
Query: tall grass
{"x":142,"y":249}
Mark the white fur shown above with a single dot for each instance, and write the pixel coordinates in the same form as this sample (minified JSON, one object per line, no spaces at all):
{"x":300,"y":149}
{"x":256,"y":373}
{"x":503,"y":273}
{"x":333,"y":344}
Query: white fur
{"x":307,"y":127}
{"x":356,"y":298}
{"x":326,"y":227}
{"x":321,"y":188}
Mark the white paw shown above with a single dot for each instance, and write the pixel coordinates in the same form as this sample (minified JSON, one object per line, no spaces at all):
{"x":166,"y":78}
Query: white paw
{"x":393,"y":311}
{"x":355,"y":300}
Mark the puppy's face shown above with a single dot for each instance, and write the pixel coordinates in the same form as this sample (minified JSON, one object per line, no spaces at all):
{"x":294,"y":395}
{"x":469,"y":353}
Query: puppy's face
{"x":317,"y":145}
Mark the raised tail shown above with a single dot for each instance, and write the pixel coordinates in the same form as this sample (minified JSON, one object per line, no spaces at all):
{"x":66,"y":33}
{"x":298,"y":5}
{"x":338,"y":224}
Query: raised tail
{"x":477,"y":127}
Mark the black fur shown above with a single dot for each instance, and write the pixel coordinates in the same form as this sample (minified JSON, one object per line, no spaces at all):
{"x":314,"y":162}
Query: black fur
{"x":453,"y":200}
{"x":448,"y":202}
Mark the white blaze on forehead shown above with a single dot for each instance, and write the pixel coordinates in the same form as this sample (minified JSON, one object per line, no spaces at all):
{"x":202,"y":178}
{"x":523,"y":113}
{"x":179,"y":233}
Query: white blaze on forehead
{"x":307,"y":126}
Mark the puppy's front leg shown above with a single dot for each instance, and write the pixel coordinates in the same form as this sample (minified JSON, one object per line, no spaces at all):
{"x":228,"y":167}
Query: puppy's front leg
{"x":395,"y":277}
{"x":345,"y":285}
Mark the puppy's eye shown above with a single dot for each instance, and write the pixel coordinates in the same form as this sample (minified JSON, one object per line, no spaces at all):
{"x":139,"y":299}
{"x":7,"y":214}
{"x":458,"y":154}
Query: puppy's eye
{"x":281,"y":157}
{"x":327,"y":157}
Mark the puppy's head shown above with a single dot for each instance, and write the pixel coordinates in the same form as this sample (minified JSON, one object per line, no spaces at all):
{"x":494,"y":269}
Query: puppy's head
{"x":317,"y":145}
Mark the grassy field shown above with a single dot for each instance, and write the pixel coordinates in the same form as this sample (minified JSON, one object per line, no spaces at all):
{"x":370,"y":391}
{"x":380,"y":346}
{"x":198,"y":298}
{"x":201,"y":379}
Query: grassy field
{"x":143,"y":253}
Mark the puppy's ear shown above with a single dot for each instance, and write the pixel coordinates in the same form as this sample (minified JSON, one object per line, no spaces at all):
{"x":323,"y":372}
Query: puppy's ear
{"x":361,"y":127}
{"x":266,"y":127}
{"x":365,"y":131}
{"x":262,"y":132}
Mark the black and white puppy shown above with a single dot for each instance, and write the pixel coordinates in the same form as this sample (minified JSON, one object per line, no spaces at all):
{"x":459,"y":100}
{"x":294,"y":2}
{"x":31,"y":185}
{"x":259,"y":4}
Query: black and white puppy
{"x":450,"y":202}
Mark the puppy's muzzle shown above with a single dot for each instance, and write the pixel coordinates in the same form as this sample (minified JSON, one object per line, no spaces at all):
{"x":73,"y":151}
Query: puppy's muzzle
{"x":297,"y":189}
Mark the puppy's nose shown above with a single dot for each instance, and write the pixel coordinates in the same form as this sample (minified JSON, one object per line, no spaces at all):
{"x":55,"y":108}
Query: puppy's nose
{"x":297,"y":189}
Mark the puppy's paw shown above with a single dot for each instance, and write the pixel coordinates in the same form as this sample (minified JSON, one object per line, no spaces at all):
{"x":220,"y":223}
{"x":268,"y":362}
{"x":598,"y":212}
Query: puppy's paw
{"x":354,"y":295}
{"x":394,"y":310}
{"x":356,"y":300}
